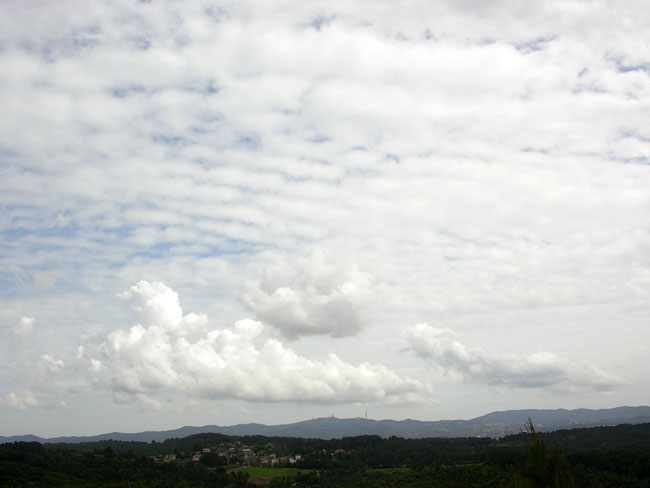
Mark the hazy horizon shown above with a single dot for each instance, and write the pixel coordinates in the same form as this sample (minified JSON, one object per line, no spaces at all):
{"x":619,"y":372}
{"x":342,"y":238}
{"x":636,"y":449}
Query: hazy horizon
{"x":333,"y":417}
{"x":214,"y":211}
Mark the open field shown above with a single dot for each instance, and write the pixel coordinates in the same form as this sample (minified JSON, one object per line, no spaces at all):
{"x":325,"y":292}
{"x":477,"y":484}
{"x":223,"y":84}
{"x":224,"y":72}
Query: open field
{"x":389,"y":470}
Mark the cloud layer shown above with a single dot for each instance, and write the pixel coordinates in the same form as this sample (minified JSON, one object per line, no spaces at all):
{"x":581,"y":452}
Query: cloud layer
{"x":462,"y":162}
{"x":537,"y":370}
{"x":160,"y":358}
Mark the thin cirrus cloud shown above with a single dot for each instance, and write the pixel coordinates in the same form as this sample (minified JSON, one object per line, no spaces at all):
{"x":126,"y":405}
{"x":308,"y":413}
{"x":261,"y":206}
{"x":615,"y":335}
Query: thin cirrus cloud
{"x":537,"y":370}
{"x":162,"y":356}
{"x":310,"y":295}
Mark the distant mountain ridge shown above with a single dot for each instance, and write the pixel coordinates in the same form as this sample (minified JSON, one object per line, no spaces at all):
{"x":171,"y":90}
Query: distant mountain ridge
{"x":495,"y":424}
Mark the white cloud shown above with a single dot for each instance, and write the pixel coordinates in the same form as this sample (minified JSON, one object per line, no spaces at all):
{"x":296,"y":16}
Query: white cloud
{"x":537,"y":370}
{"x":156,"y":303}
{"x":311,"y":295}
{"x":483,"y":161}
{"x":13,"y":401}
{"x":46,"y":279}
{"x":41,"y":374}
{"x":24,"y":328}
{"x":146,"y":361}
{"x":28,"y":400}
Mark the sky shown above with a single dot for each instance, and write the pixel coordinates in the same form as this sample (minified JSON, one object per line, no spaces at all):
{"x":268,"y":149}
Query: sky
{"x":220,"y":212}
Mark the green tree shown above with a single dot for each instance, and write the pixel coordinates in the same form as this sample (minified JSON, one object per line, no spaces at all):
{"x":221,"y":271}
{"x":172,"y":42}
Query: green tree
{"x":544,"y":468}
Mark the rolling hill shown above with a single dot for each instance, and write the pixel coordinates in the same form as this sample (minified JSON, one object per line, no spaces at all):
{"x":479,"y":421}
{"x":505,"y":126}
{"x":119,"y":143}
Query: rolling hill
{"x":495,"y":424}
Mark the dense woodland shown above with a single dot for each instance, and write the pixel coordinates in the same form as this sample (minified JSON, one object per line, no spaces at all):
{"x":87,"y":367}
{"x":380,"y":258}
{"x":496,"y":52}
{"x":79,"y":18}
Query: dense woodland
{"x":592,"y":457}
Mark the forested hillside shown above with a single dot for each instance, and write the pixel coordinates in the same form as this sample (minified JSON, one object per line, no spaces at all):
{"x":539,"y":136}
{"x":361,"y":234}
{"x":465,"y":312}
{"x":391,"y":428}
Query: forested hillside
{"x":593,"y":457}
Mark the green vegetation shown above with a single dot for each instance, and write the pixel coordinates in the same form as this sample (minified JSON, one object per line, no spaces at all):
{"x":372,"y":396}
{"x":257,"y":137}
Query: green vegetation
{"x":254,"y":472}
{"x":389,"y":470}
{"x":591,"y":458}
{"x":543,"y":467}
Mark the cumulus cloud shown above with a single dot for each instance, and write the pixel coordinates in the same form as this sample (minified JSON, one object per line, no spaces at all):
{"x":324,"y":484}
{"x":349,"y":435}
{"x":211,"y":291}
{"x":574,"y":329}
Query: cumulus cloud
{"x":26,"y":400}
{"x":310,"y":295}
{"x":480,"y":159}
{"x":13,"y":401}
{"x":24,"y":327}
{"x":156,"y":303}
{"x":37,"y":375}
{"x":151,"y":359}
{"x":537,"y":370}
{"x":40,"y":373}
{"x":39,"y":379}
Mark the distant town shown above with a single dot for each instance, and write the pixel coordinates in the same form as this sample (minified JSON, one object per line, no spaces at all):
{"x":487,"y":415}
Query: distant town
{"x":235,"y":454}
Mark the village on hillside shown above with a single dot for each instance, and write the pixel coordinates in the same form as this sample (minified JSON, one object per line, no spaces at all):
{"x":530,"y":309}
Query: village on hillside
{"x":235,"y":454}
